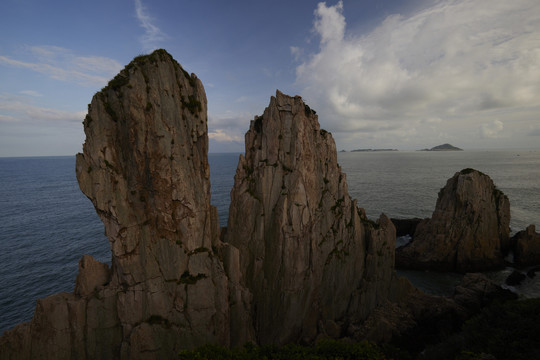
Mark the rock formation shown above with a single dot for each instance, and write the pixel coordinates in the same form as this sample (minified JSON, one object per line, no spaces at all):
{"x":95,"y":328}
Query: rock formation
{"x":144,"y":166}
{"x":527,"y":247}
{"x":469,"y":229}
{"x":311,"y":258}
{"x":301,"y":261}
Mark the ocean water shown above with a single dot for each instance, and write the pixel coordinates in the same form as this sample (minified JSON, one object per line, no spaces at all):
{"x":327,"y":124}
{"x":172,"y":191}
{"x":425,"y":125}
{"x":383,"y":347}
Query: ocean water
{"x":47,"y":224}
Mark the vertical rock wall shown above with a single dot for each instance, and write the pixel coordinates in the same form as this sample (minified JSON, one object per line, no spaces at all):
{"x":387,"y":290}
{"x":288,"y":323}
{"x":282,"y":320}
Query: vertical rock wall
{"x":145,"y":168}
{"x":310,"y":257}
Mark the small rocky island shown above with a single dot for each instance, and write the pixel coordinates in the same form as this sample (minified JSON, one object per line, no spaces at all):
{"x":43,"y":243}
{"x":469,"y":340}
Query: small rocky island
{"x":443,"y":147}
{"x":372,"y":150}
{"x":298,"y":262}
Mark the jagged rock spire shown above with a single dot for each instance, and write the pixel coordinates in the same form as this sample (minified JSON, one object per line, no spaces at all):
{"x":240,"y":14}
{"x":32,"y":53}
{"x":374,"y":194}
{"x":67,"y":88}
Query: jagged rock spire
{"x":307,"y":253}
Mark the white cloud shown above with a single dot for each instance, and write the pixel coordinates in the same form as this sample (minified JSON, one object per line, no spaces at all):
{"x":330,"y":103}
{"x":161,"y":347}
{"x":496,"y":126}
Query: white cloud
{"x":226,"y":131}
{"x":64,"y":65}
{"x":491,"y":130}
{"x":18,"y":109}
{"x":451,"y":61}
{"x":221,"y":135}
{"x":330,"y":23}
{"x":152,"y":34}
{"x":296,"y":52}
{"x":31,"y":93}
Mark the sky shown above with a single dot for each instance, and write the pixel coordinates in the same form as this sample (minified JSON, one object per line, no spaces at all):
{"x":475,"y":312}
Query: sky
{"x":403,"y":74}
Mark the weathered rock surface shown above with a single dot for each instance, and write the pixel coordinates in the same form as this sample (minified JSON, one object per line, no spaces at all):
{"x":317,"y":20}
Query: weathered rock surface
{"x":469,"y":229}
{"x":527,"y":247}
{"x":144,"y":166}
{"x":311,"y":258}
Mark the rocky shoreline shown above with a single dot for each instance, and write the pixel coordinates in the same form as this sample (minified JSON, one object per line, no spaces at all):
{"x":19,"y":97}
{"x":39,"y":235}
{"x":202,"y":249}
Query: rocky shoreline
{"x":298,"y":262}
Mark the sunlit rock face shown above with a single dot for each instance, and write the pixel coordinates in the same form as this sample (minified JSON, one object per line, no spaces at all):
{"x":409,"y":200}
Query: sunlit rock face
{"x":468,"y":231}
{"x":310,"y":257}
{"x":144,"y":166}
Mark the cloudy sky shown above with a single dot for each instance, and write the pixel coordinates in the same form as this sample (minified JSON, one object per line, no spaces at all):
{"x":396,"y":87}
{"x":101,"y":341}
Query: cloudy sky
{"x":402,"y":74}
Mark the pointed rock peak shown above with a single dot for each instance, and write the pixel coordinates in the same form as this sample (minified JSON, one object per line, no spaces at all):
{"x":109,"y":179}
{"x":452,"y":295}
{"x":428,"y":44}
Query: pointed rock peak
{"x":298,"y":231}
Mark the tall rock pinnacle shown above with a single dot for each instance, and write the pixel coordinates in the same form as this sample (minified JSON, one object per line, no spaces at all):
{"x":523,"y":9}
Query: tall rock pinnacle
{"x":309,"y":256}
{"x":144,"y":166}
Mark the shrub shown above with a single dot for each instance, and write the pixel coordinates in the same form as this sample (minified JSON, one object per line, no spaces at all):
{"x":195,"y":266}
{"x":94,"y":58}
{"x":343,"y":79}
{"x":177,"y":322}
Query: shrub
{"x":326,"y":349}
{"x":505,"y":330}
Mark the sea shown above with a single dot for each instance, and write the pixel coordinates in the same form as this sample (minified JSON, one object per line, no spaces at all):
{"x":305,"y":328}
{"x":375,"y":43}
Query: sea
{"x":47,"y":224}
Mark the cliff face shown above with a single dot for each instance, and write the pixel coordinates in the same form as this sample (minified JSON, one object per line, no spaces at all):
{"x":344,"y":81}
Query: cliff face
{"x":307,"y":253}
{"x":144,"y":167}
{"x":468,"y":231}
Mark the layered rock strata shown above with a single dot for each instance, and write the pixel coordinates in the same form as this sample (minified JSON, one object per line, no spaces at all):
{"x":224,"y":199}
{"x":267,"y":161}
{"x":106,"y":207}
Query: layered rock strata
{"x":144,"y":166}
{"x":311,"y":258}
{"x":468,"y":231}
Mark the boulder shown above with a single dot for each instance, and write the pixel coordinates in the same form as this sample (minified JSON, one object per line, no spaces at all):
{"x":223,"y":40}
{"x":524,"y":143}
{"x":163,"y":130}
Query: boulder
{"x":92,"y":276}
{"x":418,"y":319}
{"x":468,"y":231}
{"x":476,"y":291}
{"x":307,"y":253}
{"x":515,"y":278}
{"x":527,"y":248}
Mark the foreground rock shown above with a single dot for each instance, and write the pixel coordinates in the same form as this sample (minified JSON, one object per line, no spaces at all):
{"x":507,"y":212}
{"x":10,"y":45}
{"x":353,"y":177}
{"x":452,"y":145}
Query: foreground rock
{"x":420,"y":319}
{"x":144,"y":166}
{"x":469,"y":229}
{"x":311,"y":258}
{"x":527,"y":247}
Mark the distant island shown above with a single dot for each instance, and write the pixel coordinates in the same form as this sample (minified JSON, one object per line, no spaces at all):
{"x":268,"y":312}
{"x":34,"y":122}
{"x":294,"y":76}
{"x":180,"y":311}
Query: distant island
{"x":365,"y":150}
{"x":443,"y":147}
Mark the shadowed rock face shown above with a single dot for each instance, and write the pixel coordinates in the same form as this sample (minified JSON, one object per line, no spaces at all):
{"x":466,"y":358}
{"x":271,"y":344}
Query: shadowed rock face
{"x":527,"y":248}
{"x":469,"y":229}
{"x":307,"y":253}
{"x":144,"y":167}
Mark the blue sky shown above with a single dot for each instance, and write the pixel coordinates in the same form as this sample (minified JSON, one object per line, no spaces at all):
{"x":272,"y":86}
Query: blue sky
{"x":400,"y":74}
